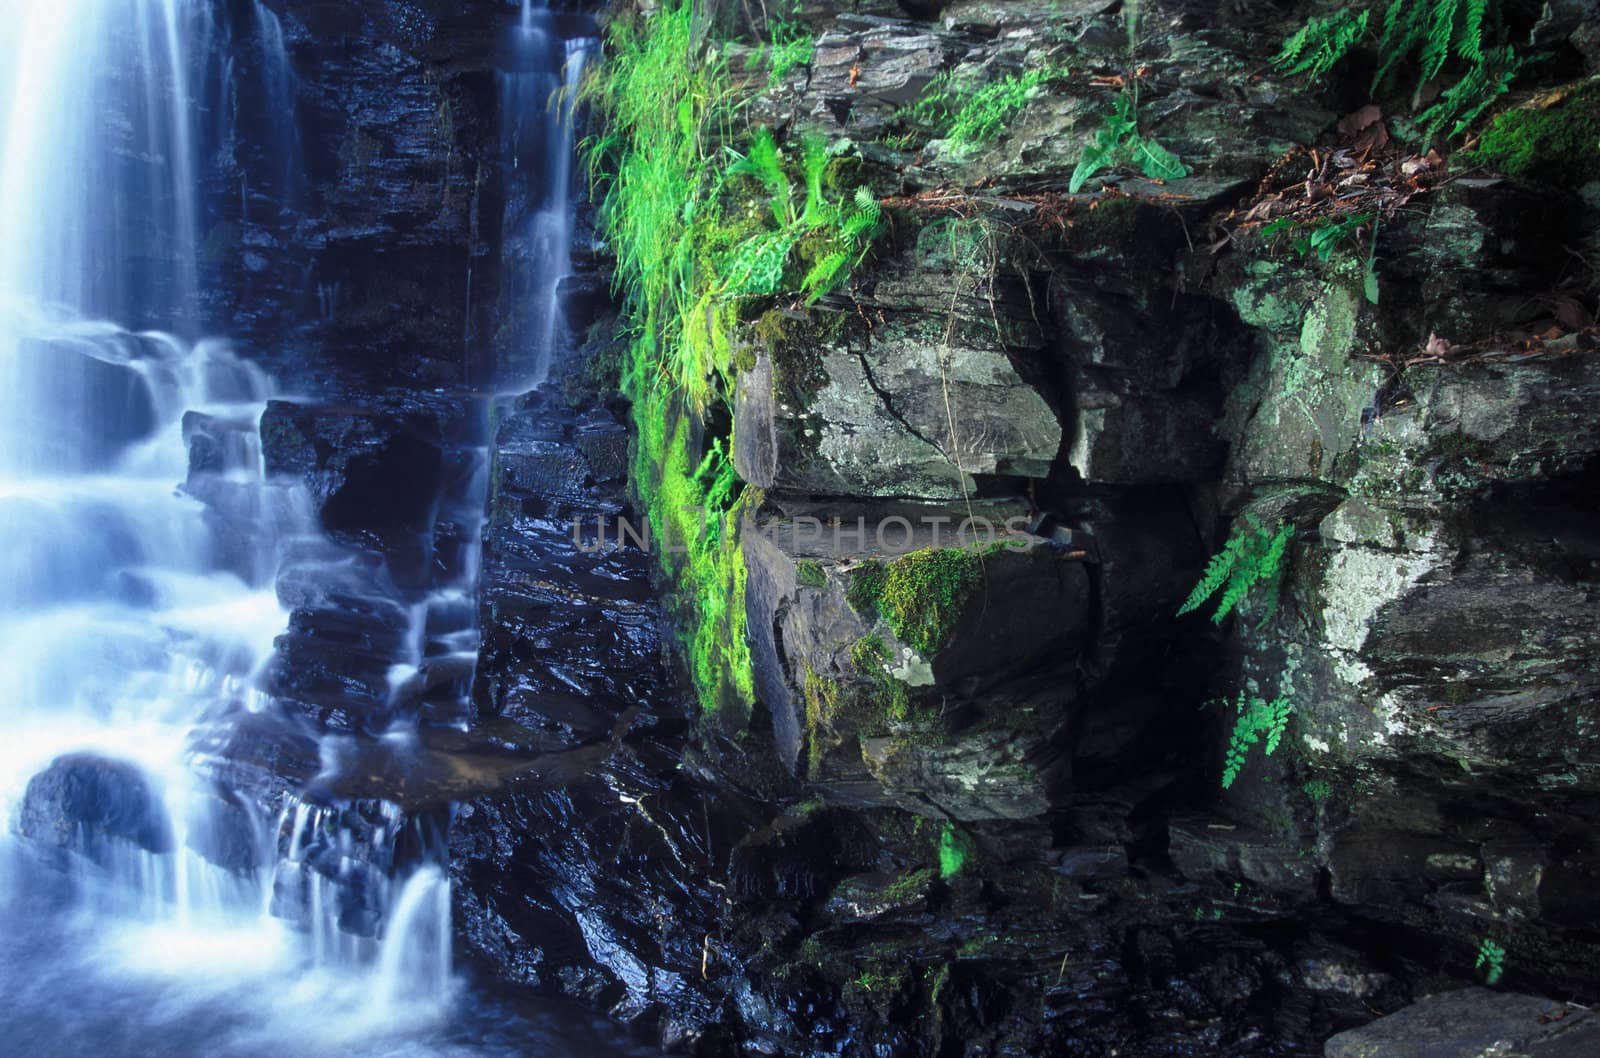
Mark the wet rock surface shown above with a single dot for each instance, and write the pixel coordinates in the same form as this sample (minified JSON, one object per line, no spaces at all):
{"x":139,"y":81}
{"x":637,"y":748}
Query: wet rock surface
{"x":89,"y":804}
{"x":1473,"y":1021}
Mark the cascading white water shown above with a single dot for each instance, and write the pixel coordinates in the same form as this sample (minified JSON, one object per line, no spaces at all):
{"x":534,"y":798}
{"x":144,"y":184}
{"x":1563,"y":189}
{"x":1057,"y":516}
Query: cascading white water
{"x":126,"y":620}
{"x":147,"y":908}
{"x":538,"y":104}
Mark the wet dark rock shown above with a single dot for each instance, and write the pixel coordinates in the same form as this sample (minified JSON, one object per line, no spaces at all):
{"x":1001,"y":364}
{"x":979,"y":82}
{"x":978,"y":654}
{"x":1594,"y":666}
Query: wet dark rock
{"x":225,"y":832}
{"x":89,"y":804}
{"x":354,"y":463}
{"x":797,"y":857}
{"x":1474,"y":1021}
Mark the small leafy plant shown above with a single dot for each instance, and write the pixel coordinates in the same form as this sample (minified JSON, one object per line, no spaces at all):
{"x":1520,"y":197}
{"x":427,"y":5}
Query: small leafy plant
{"x":792,"y":47}
{"x":1491,"y":960}
{"x":1117,"y":142}
{"x":839,"y":231}
{"x":1252,"y":556}
{"x":984,"y":115}
{"x":1466,"y":33}
{"x":1317,"y":46}
{"x":1258,"y":719}
{"x":1319,"y":790}
{"x":967,"y":118}
{"x":1323,"y":236}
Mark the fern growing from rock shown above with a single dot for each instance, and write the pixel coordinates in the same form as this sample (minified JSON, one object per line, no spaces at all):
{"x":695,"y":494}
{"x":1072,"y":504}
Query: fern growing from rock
{"x":1319,"y":45}
{"x":1251,"y":556}
{"x":1258,"y":719}
{"x":1117,"y":142}
{"x":1434,"y":32}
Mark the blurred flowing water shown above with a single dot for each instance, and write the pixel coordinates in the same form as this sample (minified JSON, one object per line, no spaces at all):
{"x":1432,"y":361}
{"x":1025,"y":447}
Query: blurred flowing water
{"x":146,"y":908}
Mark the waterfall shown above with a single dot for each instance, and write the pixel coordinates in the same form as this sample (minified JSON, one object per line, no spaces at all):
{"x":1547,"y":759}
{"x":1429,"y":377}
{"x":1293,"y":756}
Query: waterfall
{"x":99,"y":159}
{"x":538,"y":108}
{"x":279,"y":92}
{"x":140,"y":538}
{"x":143,"y":551}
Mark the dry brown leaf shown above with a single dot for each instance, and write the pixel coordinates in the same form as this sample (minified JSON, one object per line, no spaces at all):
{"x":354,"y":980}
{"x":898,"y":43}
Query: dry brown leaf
{"x":1357,"y":120}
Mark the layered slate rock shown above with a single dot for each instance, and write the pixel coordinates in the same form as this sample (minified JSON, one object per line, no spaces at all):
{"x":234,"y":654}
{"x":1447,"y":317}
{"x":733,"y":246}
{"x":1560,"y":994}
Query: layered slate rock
{"x":1472,"y":1022}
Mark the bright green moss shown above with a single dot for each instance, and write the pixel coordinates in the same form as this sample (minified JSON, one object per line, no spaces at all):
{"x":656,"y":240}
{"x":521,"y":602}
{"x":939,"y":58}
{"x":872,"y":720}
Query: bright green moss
{"x":920,"y":595}
{"x":809,"y":572}
{"x":704,"y":239}
{"x":822,"y":697}
{"x":1557,"y":141}
{"x":865,"y":588}
{"x":889,"y":698}
{"x":869,"y":655}
{"x":925,"y":592}
{"x":909,"y":886}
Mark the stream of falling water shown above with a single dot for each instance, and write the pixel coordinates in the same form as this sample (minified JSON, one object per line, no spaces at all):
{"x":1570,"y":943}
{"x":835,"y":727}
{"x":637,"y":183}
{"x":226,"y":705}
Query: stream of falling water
{"x":144,"y":908}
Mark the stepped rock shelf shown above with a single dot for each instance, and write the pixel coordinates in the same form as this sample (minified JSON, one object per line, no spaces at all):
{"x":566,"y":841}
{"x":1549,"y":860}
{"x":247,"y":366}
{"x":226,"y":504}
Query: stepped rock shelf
{"x":944,"y":349}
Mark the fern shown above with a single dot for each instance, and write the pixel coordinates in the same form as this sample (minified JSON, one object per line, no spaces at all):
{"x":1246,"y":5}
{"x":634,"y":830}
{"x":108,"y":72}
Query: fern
{"x":765,"y":164}
{"x":1250,"y":557}
{"x":1491,"y":960}
{"x":1215,"y":576}
{"x":814,"y":164}
{"x":1258,"y":719}
{"x":1434,"y":32}
{"x":1471,"y":46}
{"x":1117,"y":142}
{"x":1403,"y":30}
{"x":823,"y":275}
{"x":1465,"y":101}
{"x":1441,"y":33}
{"x":1319,"y":45}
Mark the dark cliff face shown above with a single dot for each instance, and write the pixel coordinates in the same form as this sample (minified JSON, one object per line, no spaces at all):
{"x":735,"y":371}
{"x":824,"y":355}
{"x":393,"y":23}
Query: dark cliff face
{"x":1030,"y":852}
{"x":359,"y":213}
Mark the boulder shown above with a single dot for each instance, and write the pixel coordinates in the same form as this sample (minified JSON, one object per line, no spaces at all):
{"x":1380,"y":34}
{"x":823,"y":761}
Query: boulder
{"x":85,"y":802}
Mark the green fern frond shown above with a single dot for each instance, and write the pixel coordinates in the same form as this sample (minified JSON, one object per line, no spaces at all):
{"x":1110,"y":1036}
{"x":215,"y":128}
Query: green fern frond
{"x":1319,"y":45}
{"x":1277,"y":721}
{"x":1257,"y":719}
{"x":1471,"y":39}
{"x":814,"y":163}
{"x":1441,"y":33}
{"x":1404,"y":25}
{"x":764,"y":163}
{"x":1465,"y":101}
{"x":1250,"y":557}
{"x":1215,"y":576}
{"x":823,"y":275}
